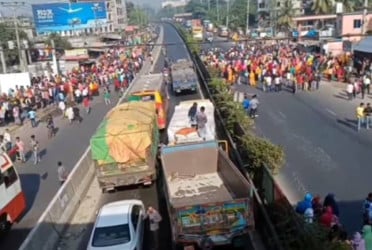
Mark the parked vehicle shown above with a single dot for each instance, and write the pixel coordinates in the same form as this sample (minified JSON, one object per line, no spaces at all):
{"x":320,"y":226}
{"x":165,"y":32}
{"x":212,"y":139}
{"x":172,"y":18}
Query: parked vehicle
{"x":125,"y":146}
{"x":183,"y":76}
{"x":119,"y":225}
{"x":223,"y":31}
{"x":208,"y":200}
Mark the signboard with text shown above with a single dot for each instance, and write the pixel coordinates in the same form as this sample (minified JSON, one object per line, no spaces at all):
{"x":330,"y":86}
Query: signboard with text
{"x":56,"y":17}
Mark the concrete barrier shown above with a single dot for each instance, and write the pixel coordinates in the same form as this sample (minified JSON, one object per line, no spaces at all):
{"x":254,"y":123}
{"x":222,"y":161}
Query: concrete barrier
{"x":55,"y":219}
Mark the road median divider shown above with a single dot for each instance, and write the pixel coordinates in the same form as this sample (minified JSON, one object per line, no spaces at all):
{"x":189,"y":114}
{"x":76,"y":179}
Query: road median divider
{"x":47,"y":232}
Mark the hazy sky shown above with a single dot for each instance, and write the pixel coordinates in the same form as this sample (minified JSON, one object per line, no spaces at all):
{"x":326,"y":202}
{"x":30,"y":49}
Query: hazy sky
{"x":26,"y":9}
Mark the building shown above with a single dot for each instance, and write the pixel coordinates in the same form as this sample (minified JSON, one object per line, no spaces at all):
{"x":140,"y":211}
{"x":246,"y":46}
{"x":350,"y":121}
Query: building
{"x":269,"y":9}
{"x":116,"y":15}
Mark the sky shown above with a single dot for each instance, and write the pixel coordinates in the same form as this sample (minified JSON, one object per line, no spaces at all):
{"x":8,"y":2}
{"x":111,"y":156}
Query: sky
{"x":26,"y":10}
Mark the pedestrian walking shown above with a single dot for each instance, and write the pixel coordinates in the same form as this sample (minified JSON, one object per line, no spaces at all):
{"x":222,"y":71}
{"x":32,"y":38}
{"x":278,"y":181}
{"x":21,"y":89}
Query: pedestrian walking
{"x":70,"y":114}
{"x":50,"y":126}
{"x":62,"y":173}
{"x":35,"y":149}
{"x":20,"y":149}
{"x":368,"y":115}
{"x":107,"y":97}
{"x":154,"y":219}
{"x":360,"y":115}
{"x":253,"y":107}
{"x":32,"y":116}
{"x":86,"y":104}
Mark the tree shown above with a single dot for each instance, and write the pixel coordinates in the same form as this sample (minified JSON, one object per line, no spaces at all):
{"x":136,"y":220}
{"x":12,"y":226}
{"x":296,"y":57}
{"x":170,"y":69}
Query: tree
{"x":7,"y":32}
{"x":136,"y":15}
{"x":322,"y":6}
{"x":285,"y":18}
{"x":60,"y":43}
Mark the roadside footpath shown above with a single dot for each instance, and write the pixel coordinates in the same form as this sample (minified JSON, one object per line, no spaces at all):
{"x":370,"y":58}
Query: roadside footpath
{"x":76,"y":232}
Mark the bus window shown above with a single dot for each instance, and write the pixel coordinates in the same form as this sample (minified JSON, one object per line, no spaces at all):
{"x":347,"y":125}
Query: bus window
{"x":10,"y":176}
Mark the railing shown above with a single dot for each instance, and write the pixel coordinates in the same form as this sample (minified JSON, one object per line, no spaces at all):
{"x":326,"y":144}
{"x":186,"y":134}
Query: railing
{"x":52,"y":223}
{"x":263,"y":222}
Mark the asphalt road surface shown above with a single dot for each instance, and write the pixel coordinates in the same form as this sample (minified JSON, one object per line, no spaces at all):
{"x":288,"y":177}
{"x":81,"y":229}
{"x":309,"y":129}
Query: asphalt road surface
{"x":324,"y":153}
{"x":40,"y":182}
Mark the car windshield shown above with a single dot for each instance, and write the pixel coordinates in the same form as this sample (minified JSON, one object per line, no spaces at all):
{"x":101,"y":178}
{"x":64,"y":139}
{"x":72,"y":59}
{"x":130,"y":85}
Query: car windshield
{"x":111,"y":236}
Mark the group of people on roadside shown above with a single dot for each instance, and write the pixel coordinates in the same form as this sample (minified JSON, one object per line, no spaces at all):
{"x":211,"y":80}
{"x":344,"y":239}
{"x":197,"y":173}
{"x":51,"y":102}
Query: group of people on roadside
{"x":327,"y":214}
{"x":364,"y":115}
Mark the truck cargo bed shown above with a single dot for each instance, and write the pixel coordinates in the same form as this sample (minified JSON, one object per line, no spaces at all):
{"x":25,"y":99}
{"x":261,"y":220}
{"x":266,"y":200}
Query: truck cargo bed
{"x":200,"y":173}
{"x":198,"y":189}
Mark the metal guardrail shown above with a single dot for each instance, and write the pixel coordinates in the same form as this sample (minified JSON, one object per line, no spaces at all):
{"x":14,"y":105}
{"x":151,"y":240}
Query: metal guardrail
{"x":52,"y":223}
{"x":263,"y":222}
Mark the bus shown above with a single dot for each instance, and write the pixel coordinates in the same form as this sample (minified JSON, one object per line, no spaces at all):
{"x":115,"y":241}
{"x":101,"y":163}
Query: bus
{"x":197,"y":33}
{"x":12,"y":198}
{"x":152,"y":88}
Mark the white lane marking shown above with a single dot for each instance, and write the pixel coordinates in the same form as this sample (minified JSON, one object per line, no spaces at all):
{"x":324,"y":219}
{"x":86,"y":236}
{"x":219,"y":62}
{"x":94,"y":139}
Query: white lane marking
{"x":282,"y":115}
{"x":331,"y":112}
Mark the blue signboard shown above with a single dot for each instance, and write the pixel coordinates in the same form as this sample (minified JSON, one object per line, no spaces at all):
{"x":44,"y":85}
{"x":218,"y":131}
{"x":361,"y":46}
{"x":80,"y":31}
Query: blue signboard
{"x":55,"y":17}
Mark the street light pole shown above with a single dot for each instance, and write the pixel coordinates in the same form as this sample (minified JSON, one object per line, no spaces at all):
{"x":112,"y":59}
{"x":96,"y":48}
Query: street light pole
{"x":228,"y":13}
{"x":218,"y":10}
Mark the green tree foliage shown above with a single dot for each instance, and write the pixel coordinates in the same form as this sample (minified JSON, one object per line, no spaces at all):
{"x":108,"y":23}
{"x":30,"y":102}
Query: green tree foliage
{"x":237,"y":13}
{"x":258,"y":152}
{"x":7,"y":32}
{"x":285,"y":21}
{"x":191,"y":43}
{"x":136,"y":15}
{"x":60,"y":43}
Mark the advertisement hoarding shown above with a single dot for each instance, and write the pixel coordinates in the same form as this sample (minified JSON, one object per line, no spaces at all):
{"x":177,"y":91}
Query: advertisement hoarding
{"x":57,"y":17}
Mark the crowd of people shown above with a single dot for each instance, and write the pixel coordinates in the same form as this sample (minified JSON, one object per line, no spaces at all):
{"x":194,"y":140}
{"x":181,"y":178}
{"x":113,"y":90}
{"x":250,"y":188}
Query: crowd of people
{"x":271,"y":66}
{"x":327,"y":214}
{"x":113,"y":70}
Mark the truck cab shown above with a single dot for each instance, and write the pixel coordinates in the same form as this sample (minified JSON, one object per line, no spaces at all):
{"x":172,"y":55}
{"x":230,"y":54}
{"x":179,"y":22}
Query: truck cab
{"x":183,"y":77}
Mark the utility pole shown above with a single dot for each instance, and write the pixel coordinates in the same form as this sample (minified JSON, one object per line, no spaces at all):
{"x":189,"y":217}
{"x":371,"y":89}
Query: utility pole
{"x":209,"y":5}
{"x":95,"y":8}
{"x":365,"y":13}
{"x":14,"y":6}
{"x":228,"y":13}
{"x":247,"y":19}
{"x":218,"y":10}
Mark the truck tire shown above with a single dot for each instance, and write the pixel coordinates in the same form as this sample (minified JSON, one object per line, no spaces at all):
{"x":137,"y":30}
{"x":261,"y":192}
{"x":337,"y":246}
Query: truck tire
{"x":5,"y":225}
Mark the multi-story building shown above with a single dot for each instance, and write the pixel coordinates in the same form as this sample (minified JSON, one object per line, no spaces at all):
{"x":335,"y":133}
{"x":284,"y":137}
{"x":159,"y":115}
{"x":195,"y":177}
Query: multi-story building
{"x":268,"y":10}
{"x":116,"y":15}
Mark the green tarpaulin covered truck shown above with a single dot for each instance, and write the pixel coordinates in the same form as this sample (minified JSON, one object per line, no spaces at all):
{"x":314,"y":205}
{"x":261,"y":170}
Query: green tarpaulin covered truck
{"x":125,"y":146}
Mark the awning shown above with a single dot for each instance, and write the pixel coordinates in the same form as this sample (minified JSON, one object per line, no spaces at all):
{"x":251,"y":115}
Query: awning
{"x":111,"y":36}
{"x":364,"y":45}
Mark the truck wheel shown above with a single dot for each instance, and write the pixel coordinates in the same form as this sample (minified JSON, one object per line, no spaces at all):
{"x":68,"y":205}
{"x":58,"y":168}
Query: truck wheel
{"x":4,"y":224}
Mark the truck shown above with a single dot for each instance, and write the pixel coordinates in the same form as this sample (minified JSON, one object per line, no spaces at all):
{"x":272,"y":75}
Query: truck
{"x":209,"y":201}
{"x":183,"y":76}
{"x":197,"y":29}
{"x":125,"y":146}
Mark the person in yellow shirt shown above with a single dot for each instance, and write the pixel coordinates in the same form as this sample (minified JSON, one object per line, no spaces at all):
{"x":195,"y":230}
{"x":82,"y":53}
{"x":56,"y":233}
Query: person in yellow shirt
{"x":360,"y":115}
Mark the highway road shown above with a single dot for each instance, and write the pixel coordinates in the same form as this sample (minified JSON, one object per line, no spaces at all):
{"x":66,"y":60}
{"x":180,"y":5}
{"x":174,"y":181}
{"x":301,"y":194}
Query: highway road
{"x":324,"y":153}
{"x":40,"y":182}
{"x":151,"y":196}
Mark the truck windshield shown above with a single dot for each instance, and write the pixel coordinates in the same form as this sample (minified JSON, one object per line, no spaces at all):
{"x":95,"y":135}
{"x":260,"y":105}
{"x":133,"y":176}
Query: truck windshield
{"x":111,"y":236}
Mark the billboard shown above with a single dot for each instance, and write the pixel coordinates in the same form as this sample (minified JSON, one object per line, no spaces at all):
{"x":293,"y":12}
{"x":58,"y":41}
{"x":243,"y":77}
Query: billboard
{"x":55,"y":17}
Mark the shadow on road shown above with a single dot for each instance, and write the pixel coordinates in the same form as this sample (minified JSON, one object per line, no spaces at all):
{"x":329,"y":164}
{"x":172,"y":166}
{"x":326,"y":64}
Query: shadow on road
{"x":351,"y":215}
{"x":30,"y":186}
{"x":349,"y":123}
{"x":342,"y":96}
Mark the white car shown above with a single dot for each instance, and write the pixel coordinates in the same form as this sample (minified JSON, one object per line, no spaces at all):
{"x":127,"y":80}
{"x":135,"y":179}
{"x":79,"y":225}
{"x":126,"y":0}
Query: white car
{"x":119,"y":225}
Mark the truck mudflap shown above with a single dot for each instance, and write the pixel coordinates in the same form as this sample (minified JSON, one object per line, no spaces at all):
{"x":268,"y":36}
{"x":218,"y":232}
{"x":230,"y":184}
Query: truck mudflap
{"x":111,"y":182}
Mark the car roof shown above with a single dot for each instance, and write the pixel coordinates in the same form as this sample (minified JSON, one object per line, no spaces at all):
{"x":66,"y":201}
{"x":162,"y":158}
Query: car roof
{"x":115,"y":213}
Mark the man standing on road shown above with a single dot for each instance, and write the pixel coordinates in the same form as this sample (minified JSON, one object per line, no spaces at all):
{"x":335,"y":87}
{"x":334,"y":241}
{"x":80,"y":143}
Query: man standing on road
{"x":20,"y":149}
{"x":360,"y":115}
{"x":62,"y":173}
{"x":367,"y":83}
{"x":154,"y":219}
{"x":253,"y":107}
{"x":35,"y":149}
{"x":32,"y":117}
{"x":367,"y":114}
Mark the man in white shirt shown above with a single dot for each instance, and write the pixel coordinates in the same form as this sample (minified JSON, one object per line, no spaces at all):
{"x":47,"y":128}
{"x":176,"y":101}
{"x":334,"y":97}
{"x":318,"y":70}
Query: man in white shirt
{"x":78,"y":95}
{"x":62,"y":173}
{"x":350,"y":90}
{"x":367,"y":83}
{"x":201,"y":121}
{"x":70,"y":114}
